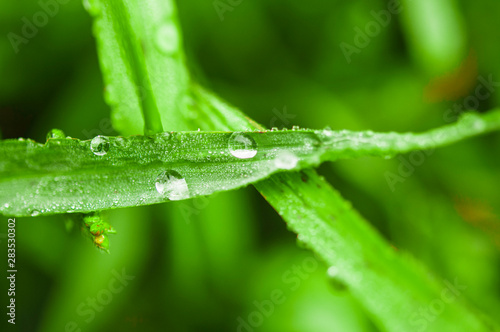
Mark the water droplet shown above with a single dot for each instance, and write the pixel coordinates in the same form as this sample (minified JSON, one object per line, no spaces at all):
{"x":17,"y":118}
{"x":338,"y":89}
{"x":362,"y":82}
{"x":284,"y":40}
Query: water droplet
{"x":35,"y":213}
{"x":274,"y":129}
{"x":99,"y":145}
{"x":332,"y":271}
{"x":295,"y":128}
{"x":334,"y":280}
{"x":242,"y":146}
{"x":286,"y":160}
{"x":122,"y":142}
{"x":56,"y":133}
{"x":6,"y":205}
{"x":172,"y":185}
{"x":167,"y":38}
{"x":162,"y":140}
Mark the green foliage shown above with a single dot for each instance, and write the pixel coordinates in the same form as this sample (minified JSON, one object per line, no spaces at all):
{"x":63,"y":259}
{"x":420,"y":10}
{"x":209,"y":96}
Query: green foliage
{"x":149,"y":90}
{"x":69,"y":175}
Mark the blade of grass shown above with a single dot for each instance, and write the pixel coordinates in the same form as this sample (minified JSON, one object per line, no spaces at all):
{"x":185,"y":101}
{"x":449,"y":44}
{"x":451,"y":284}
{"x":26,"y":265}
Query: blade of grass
{"x":110,"y":172}
{"x":142,"y":67}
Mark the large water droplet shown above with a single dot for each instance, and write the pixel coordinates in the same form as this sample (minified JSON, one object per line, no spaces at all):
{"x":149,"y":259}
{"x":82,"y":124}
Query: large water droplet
{"x":286,"y":160}
{"x":242,"y":146}
{"x":172,"y":185}
{"x":99,"y":145}
{"x":167,"y":38}
{"x":56,"y":133}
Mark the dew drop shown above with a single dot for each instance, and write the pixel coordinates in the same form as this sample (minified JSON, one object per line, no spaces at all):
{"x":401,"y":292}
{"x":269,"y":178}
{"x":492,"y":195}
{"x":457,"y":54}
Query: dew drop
{"x":99,"y":145}
{"x":56,"y":133}
{"x":162,"y":139}
{"x":334,"y":280}
{"x":35,"y":213}
{"x":167,"y":38}
{"x":242,"y":146}
{"x":122,"y":142}
{"x":172,"y":185}
{"x":295,"y":128}
{"x":286,"y":160}
{"x":274,"y":129}
{"x":332,"y":271}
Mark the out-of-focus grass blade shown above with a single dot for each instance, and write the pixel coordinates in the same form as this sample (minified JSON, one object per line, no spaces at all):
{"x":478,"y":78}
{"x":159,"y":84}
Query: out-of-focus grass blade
{"x":139,"y":52}
{"x":435,"y":33}
{"x":69,"y":175}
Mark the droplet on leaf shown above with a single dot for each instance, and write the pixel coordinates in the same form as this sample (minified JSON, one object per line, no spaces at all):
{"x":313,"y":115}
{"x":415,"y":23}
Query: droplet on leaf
{"x":99,"y":145}
{"x":286,"y":160}
{"x":172,"y":185}
{"x":242,"y":146}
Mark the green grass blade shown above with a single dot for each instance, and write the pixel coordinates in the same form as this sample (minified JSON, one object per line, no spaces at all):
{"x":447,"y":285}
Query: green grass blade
{"x":391,"y":286}
{"x":69,"y":175}
{"x":142,"y":67}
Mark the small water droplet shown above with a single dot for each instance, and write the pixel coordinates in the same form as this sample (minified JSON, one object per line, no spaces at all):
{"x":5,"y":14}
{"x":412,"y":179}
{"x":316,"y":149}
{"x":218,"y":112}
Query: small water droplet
{"x":122,"y":142}
{"x":328,"y":133}
{"x":295,"y":128}
{"x":167,"y":38}
{"x":242,"y":146}
{"x":274,"y":129}
{"x":99,"y":145}
{"x":334,"y":280}
{"x":56,"y":133}
{"x":35,"y":213}
{"x":172,"y":185}
{"x":6,"y":205}
{"x":286,"y":160}
{"x":332,"y":271}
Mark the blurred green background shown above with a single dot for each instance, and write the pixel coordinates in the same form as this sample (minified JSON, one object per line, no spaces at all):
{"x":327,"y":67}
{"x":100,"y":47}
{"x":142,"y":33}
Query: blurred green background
{"x":210,"y":264}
